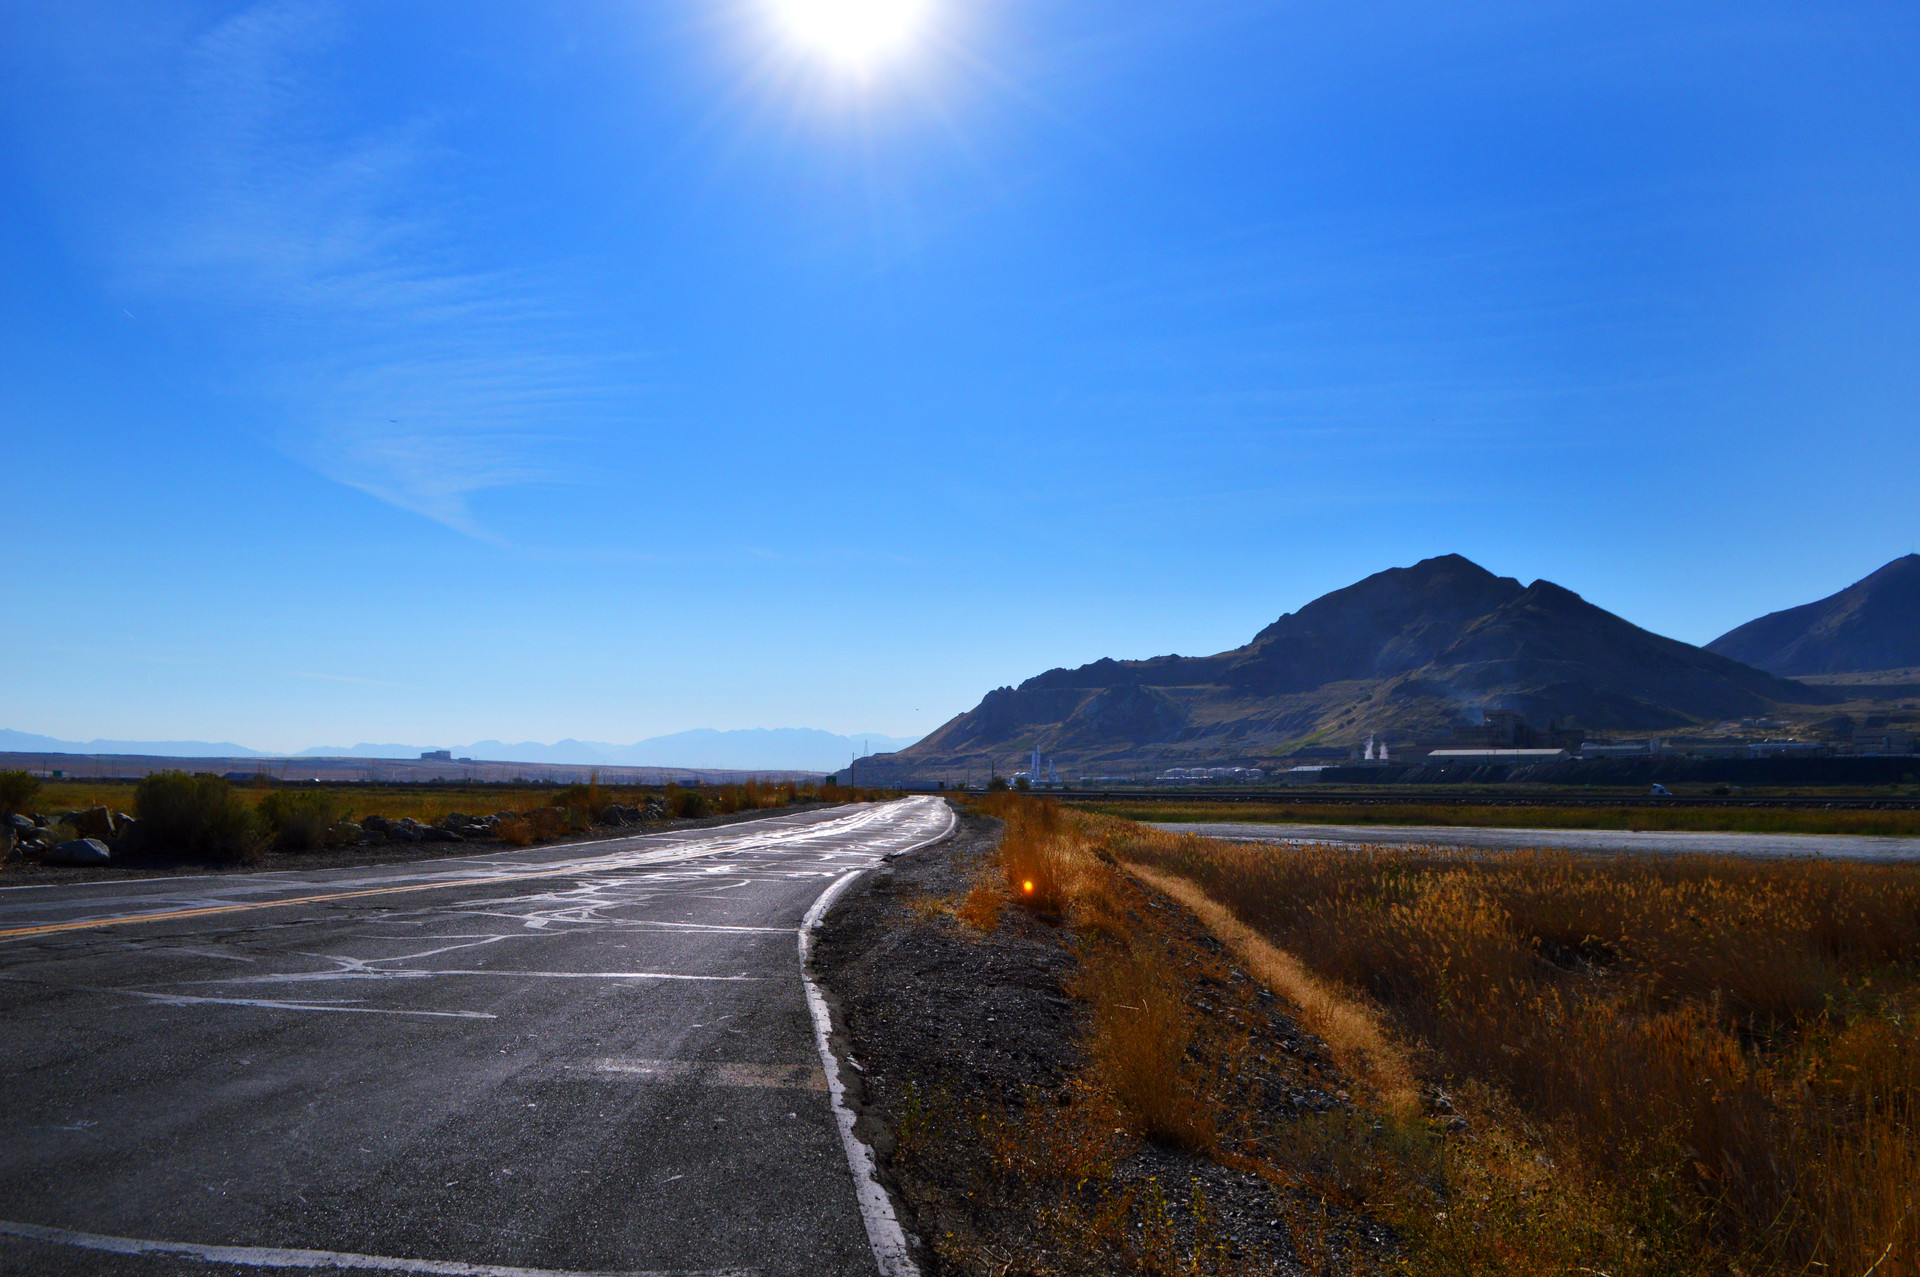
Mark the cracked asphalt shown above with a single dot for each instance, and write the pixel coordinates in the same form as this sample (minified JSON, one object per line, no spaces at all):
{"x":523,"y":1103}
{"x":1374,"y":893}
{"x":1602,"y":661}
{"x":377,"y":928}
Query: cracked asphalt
{"x":578,"y":1059}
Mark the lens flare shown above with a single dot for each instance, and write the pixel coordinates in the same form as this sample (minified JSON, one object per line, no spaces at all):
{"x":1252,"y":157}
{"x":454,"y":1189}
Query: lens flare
{"x":855,"y":32}
{"x":1027,"y":886}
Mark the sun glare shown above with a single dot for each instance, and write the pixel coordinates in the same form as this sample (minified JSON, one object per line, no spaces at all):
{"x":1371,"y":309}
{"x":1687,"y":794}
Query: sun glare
{"x":852,"y":32}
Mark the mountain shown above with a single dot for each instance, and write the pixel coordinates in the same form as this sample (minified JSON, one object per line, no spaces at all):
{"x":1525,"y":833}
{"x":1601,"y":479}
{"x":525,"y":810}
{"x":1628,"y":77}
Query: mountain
{"x":1406,"y":652}
{"x":1873,"y":624}
{"x":13,"y":742}
{"x":748,"y":749}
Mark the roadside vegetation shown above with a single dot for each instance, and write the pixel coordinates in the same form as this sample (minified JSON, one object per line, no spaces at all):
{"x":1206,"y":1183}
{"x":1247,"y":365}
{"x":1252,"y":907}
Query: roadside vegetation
{"x":198,"y":818}
{"x":1196,"y":1135}
{"x":209,"y":819}
{"x":1755,"y":820}
{"x":1558,"y":1064}
{"x":17,"y":790}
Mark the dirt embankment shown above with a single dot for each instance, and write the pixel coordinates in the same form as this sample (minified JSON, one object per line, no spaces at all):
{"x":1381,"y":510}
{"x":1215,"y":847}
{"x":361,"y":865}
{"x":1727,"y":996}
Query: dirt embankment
{"x":1007,"y":1147}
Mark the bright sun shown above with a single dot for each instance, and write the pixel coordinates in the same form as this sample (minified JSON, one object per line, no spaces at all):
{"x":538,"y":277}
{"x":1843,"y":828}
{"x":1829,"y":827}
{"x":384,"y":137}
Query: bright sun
{"x":854,"y":32}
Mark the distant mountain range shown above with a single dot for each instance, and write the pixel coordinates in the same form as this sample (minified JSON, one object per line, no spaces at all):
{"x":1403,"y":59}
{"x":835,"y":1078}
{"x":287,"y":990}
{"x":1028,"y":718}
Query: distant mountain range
{"x":27,"y":743}
{"x":750,"y":749}
{"x":1404,"y":653}
{"x":1873,"y":624}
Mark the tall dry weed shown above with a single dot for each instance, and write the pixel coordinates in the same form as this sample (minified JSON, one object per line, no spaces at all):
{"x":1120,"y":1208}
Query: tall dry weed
{"x":1728,"y":1047}
{"x":981,"y":908}
{"x":1140,"y":1033}
{"x":1040,"y":857}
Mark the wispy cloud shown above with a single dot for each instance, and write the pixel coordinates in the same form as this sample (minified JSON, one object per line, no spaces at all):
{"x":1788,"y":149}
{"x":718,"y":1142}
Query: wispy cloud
{"x":401,"y":365}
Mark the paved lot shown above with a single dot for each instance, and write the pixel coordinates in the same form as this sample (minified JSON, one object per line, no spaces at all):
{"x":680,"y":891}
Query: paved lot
{"x":1835,"y":846}
{"x":585,"y":1059}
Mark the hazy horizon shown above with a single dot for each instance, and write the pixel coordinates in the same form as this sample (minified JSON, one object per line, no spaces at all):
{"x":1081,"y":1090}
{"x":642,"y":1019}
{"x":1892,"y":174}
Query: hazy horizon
{"x":745,"y":749}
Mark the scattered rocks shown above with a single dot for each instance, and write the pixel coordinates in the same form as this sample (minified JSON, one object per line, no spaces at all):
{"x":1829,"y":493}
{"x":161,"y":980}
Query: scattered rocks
{"x":465,"y":826}
{"x":94,"y":822}
{"x":80,"y":851}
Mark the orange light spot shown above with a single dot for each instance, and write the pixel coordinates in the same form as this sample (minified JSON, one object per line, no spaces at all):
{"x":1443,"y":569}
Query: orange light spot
{"x":1027,"y":886}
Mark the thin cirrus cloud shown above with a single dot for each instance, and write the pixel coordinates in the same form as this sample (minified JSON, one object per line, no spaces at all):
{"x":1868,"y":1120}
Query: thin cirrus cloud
{"x":391,"y":363}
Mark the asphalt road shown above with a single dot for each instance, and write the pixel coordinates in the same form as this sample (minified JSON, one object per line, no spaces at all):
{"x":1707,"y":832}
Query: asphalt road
{"x":583,"y":1059}
{"x":1609,"y":841}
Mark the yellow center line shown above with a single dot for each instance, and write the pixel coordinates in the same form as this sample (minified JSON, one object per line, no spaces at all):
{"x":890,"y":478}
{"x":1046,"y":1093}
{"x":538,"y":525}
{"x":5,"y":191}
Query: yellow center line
{"x":81,"y":924}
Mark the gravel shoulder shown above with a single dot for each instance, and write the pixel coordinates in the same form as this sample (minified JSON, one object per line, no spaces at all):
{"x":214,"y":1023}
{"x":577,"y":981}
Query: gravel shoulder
{"x":976,"y":1093}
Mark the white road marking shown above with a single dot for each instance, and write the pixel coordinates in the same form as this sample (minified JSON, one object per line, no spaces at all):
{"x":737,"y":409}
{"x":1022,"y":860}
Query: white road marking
{"x":787,"y":1077}
{"x":273,"y":1257}
{"x":643,"y":923}
{"x":303,"y":977}
{"x":182,"y":1000}
{"x":889,"y":1242}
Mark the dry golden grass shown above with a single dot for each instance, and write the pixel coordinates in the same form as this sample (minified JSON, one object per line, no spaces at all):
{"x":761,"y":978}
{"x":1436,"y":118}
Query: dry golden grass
{"x":1718,"y":1058}
{"x":1039,"y":854}
{"x":981,"y":909}
{"x":1140,"y":1033}
{"x":1156,"y":1072}
{"x":1140,"y":1024}
{"x":1352,"y":1030}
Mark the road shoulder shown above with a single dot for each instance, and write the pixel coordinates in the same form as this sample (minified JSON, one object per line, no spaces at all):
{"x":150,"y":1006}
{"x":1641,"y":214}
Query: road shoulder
{"x":974,"y":1089}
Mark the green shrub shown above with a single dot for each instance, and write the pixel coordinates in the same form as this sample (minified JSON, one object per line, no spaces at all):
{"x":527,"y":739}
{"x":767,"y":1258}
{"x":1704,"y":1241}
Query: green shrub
{"x":301,"y":819}
{"x":16,"y":791}
{"x":548,"y":822}
{"x":199,"y":817}
{"x":689,"y":803}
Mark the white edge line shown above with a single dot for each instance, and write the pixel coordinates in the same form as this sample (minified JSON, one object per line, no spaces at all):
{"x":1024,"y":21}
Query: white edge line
{"x":890,"y":1252}
{"x":271,"y":1257}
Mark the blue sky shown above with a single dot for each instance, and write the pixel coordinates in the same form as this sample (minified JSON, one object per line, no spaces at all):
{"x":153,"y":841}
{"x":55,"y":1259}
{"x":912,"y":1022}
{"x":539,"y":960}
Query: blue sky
{"x":445,"y":371}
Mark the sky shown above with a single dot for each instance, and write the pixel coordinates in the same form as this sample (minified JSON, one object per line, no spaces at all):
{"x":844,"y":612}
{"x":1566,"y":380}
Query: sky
{"x":443,"y":371}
